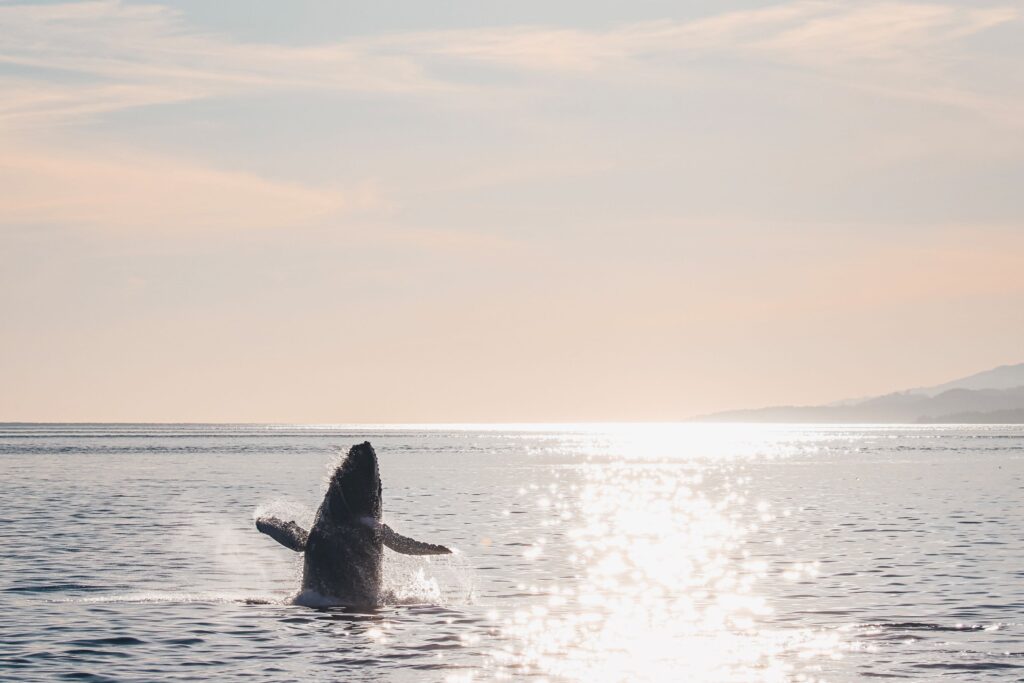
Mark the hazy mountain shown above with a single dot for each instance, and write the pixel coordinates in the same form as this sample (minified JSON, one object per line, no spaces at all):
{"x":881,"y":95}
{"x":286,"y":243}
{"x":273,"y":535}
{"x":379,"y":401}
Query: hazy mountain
{"x":994,"y":417}
{"x":1003,"y":377}
{"x":993,"y":396}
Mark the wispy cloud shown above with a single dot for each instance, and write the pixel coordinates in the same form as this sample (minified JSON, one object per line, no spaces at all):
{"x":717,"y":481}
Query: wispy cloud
{"x":155,"y":194}
{"x":146,"y":54}
{"x":895,"y":50}
{"x":81,"y":60}
{"x":67,"y":62}
{"x":99,"y":56}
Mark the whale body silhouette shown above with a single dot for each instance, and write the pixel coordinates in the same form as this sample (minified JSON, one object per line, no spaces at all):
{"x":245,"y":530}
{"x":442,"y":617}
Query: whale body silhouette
{"x":344,"y":549}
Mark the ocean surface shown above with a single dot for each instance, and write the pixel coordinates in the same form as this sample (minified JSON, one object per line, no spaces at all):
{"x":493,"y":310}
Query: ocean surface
{"x":595,"y":553}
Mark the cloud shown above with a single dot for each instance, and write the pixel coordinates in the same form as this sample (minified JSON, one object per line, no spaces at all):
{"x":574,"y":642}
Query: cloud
{"x":131,"y":55}
{"x":35,"y":103}
{"x":812,"y":32}
{"x":101,"y":56}
{"x":896,"y":50}
{"x":879,"y":32}
{"x":66,"y":62}
{"x":69,"y":61}
{"x":121,"y":192}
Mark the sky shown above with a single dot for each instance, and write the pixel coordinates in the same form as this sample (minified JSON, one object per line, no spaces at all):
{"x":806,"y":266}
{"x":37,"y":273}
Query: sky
{"x":342,"y":212}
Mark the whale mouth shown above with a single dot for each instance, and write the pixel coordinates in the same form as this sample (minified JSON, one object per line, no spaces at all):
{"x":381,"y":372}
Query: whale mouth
{"x":355,"y":486}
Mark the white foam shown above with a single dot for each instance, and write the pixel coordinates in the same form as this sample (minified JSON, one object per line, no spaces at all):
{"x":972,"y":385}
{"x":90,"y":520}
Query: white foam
{"x":184,"y":597}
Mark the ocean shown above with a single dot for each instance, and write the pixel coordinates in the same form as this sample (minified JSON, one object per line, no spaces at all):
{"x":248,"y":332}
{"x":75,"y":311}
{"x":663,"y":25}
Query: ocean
{"x":584,"y":553}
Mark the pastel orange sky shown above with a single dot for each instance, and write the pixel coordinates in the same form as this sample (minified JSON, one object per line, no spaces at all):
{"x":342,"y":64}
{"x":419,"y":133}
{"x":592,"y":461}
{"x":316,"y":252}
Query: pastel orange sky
{"x":340,"y":212}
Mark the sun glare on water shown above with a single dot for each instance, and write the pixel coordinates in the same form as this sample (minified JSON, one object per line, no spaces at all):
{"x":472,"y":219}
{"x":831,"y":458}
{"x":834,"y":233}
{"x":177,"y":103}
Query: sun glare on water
{"x":662,"y":586}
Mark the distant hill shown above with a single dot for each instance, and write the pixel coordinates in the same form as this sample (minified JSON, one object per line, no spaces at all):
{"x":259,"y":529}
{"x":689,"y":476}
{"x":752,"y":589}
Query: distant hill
{"x":994,"y":417}
{"x":993,"y":396}
{"x":1003,"y":377}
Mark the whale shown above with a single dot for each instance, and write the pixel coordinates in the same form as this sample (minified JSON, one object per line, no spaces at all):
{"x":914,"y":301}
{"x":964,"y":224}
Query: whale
{"x":344,"y":549}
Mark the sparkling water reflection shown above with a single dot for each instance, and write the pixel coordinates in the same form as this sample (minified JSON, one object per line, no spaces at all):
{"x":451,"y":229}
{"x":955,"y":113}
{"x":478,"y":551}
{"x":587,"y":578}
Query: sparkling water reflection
{"x":661,"y":581}
{"x":610,"y":553}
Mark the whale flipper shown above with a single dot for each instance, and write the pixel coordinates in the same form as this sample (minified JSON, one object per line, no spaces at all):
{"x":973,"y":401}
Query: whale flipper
{"x":408,"y":546}
{"x":288,"y":534}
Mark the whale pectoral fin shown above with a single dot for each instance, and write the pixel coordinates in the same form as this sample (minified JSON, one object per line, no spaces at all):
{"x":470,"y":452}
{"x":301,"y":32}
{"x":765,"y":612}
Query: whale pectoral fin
{"x":288,"y":534}
{"x":407,"y":546}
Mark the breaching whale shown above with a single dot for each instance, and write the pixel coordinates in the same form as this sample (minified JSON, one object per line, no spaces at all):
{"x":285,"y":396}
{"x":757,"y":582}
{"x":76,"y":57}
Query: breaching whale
{"x":345,"y":548}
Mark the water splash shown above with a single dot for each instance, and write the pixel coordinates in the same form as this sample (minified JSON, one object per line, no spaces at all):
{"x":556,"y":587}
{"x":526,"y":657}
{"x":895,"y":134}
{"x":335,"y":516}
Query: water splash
{"x":443,"y":580}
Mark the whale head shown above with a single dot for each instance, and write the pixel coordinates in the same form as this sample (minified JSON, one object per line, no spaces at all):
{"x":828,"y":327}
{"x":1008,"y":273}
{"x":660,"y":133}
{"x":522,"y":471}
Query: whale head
{"x":355,"y":490}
